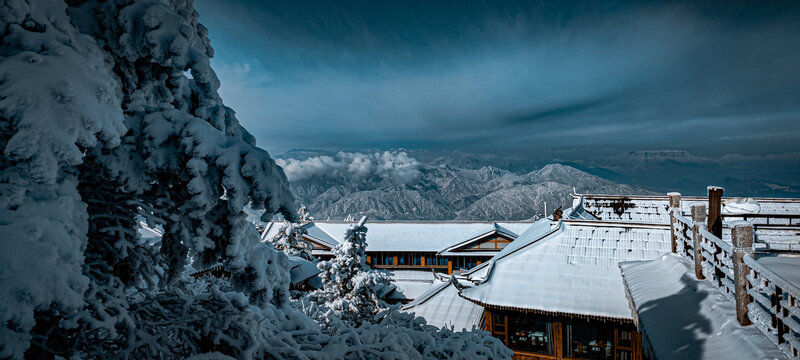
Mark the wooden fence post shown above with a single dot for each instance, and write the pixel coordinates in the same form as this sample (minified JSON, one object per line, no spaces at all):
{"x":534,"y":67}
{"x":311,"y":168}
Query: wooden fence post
{"x":698,"y":221}
{"x":674,"y":206}
{"x":715,"y":210}
{"x":742,"y":238}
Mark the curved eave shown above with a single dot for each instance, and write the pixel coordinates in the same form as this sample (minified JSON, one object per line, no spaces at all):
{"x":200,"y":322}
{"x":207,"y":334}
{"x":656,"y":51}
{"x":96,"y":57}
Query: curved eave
{"x":428,"y":295}
{"x":477,"y":268}
{"x":546,"y":312}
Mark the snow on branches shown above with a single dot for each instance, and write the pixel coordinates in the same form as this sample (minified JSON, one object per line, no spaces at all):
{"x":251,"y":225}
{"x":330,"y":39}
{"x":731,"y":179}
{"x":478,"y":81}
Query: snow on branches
{"x":100,"y":127}
{"x":349,"y":285}
{"x":55,"y":102}
{"x":289,"y":238}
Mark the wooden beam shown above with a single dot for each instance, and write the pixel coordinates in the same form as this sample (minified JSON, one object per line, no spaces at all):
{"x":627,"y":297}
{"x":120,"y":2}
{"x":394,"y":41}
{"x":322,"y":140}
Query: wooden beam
{"x":715,"y":210}
{"x":395,"y":260}
{"x":423,"y":261}
{"x":449,"y":266}
{"x":557,"y":340}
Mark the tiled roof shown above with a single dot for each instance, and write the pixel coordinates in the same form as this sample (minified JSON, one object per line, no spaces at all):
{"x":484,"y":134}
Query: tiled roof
{"x":424,"y":236}
{"x":314,"y":232}
{"x":441,"y":306}
{"x":572,"y":269}
{"x":301,"y":269}
{"x":411,"y":283}
{"x":655,"y":209}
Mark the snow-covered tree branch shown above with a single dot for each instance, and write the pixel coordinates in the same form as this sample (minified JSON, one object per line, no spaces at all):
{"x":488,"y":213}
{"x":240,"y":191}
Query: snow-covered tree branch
{"x":101,"y":128}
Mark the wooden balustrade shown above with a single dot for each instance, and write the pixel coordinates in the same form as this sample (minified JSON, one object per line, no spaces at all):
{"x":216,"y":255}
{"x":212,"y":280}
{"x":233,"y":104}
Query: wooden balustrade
{"x":762,"y":297}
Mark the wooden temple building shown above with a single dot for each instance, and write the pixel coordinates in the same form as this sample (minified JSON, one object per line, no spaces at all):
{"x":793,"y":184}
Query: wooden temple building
{"x":549,"y":289}
{"x":557,"y":293}
{"x":444,"y":246}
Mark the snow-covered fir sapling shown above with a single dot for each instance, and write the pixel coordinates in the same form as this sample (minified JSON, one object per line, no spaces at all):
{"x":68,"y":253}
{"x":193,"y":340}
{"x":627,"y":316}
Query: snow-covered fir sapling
{"x":304,"y":216}
{"x":349,"y":285}
{"x":289,"y":238}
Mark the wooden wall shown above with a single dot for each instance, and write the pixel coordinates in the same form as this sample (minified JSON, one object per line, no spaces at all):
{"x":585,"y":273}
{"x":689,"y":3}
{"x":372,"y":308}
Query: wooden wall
{"x":500,"y":324}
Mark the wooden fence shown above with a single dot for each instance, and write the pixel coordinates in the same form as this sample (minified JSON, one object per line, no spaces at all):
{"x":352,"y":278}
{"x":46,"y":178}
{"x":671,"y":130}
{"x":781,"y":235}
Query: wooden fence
{"x":762,"y":297}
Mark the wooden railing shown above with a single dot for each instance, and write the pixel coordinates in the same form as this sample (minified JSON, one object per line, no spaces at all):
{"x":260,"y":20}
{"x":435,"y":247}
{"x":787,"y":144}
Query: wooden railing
{"x":762,"y":297}
{"x":773,"y":220}
{"x":711,"y":255}
{"x":775,"y":309}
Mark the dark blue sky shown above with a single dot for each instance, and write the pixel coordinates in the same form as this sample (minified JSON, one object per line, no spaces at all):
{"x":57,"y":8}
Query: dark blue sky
{"x":474,"y":75}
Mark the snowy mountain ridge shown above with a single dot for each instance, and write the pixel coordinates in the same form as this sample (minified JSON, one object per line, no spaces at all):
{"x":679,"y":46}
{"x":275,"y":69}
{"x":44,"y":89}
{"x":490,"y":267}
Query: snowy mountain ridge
{"x":448,"y":192}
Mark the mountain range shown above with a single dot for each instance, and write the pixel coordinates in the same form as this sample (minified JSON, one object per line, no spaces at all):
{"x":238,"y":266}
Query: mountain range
{"x":447,"y":192}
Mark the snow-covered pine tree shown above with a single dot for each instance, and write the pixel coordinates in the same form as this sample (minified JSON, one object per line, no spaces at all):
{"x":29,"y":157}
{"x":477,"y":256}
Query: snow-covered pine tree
{"x":304,"y":216}
{"x":349,"y":285}
{"x":55,"y":102}
{"x":100,"y":125}
{"x":289,"y":239}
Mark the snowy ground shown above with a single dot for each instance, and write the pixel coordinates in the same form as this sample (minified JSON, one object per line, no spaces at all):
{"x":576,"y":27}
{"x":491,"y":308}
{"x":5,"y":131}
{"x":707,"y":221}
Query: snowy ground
{"x":686,"y":318}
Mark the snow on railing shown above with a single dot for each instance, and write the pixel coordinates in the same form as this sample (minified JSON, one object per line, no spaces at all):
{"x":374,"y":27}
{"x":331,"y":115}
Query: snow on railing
{"x":774,"y":220}
{"x":761,"y":296}
{"x":710,"y":254}
{"x":682,"y":234}
{"x":776,"y":306}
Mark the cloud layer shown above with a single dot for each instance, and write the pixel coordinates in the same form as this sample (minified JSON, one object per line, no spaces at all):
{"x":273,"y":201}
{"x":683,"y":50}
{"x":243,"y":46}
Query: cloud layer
{"x":510,"y":76}
{"x":395,"y":166}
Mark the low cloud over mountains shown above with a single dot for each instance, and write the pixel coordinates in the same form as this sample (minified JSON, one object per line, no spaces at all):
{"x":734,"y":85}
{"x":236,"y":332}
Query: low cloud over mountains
{"x":395,"y":186}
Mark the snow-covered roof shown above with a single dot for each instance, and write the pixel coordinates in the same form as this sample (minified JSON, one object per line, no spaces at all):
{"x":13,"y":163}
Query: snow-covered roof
{"x":650,"y":209}
{"x":685,"y":318}
{"x":147,"y":232}
{"x":301,"y":269}
{"x":655,"y":209}
{"x":411,"y":283}
{"x":477,"y":273}
{"x":441,"y":306}
{"x":571,"y":269}
{"x":533,"y":233}
{"x":423,"y":236}
{"x":314,"y":233}
{"x":579,"y":212}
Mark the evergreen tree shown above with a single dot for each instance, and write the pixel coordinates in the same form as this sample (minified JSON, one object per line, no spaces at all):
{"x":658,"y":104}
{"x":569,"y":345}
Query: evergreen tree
{"x":100,"y":127}
{"x":289,"y":239}
{"x":349,"y":285}
{"x":305,"y":217}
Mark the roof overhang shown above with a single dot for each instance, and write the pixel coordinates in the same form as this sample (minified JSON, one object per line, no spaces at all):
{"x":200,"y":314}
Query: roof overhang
{"x":547,"y":312}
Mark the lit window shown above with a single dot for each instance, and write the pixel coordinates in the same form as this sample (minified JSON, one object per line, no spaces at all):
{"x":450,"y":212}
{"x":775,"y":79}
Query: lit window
{"x":531,"y":335}
{"x":585,"y":341}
